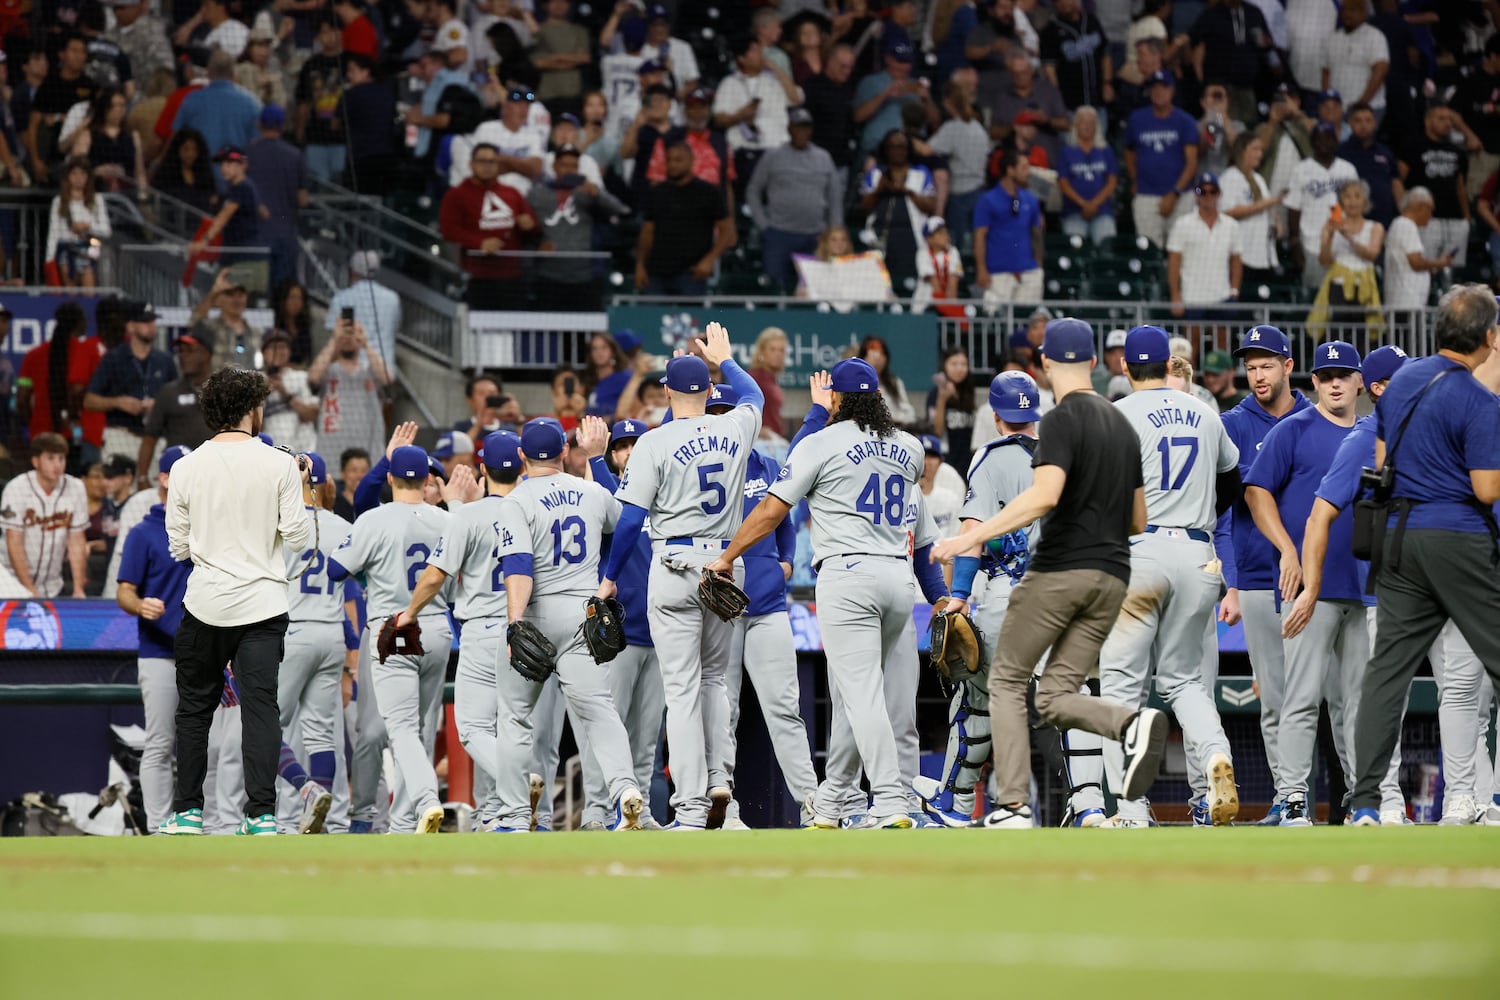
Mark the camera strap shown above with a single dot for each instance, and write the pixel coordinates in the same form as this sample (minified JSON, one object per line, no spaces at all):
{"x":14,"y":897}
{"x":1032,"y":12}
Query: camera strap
{"x":1390,"y":453}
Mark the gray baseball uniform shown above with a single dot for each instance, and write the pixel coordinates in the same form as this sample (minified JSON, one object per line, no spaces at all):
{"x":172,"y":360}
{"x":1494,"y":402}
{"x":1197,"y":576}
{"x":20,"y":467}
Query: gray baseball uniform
{"x":859,"y":488}
{"x":688,"y":476}
{"x":1174,"y":577}
{"x":555,"y":527}
{"x":308,"y":684}
{"x":390,"y":546}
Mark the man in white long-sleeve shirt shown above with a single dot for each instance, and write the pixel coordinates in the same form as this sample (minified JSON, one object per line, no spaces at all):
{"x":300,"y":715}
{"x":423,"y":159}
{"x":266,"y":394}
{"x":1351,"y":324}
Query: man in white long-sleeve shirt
{"x":230,"y":506}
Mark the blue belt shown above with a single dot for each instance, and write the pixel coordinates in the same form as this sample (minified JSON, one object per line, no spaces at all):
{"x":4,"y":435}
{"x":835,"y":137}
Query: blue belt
{"x":1196,"y":534}
{"x":723,"y":543}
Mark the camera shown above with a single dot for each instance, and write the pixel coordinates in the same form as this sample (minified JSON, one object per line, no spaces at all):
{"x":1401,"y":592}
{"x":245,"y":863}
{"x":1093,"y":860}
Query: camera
{"x":347,"y":314}
{"x":495,"y":402}
{"x":1381,"y":480}
{"x":570,"y":385}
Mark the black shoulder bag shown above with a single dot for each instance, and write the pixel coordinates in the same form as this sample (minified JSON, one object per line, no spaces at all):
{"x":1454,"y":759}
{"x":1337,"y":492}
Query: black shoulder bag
{"x":1371,"y":515}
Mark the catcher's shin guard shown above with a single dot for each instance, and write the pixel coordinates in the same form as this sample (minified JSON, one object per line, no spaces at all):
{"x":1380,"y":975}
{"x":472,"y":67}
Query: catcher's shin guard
{"x":969,"y":744}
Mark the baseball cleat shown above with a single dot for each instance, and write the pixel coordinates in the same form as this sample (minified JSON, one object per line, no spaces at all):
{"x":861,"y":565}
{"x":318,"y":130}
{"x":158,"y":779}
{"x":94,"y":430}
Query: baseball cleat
{"x":648,"y":822}
{"x":1008,"y":818}
{"x":1200,"y":813}
{"x":853,"y":821}
{"x":718,"y":807}
{"x":431,"y":821}
{"x":315,"y":802}
{"x":1118,"y":822}
{"x":1145,"y":741}
{"x":628,"y":813}
{"x":538,"y":785}
{"x":900,"y":821}
{"x":183,"y":824}
{"x":735,"y":823}
{"x":937,"y":804}
{"x":593,"y":826}
{"x":1294,"y":813}
{"x":1088,"y":819}
{"x":1222,"y":798}
{"x":257,"y":826}
{"x":1460,"y":810}
{"x":1491,"y":815}
{"x":498,"y":827}
{"x":1395,"y":817}
{"x":821,"y":823}
{"x":361,"y":826}
{"x":1272,"y":816}
{"x":1365,"y":817}
{"x":677,"y":827}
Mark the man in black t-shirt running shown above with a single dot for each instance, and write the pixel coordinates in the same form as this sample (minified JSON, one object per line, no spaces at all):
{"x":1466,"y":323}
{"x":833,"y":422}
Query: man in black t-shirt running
{"x":1087,"y":490}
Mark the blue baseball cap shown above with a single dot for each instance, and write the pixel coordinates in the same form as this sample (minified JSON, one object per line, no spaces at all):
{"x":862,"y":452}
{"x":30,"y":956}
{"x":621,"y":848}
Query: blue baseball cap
{"x":1015,"y":398}
{"x":453,"y":443}
{"x":1336,"y":354}
{"x":1264,"y":338}
{"x":435,"y":468}
{"x":628,"y":340}
{"x":1163,"y":77}
{"x":1382,"y":363}
{"x":723,"y":394}
{"x":541,"y":440}
{"x":502,"y":450}
{"x":933,"y":445}
{"x":1206,"y":179}
{"x":626,"y":430}
{"x":687,"y":373}
{"x":1147,"y":345}
{"x":319,"y":472}
{"x":170,"y":456}
{"x":272,"y":116}
{"x":901,"y":52}
{"x":1068,"y":341}
{"x":409,"y":462}
{"x":855,"y":375}
{"x":1330,"y":95}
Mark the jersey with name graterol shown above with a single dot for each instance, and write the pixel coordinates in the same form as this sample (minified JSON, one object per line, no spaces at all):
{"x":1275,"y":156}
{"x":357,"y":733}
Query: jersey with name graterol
{"x":858,"y":487}
{"x":689,"y":474}
{"x":390,"y":545}
{"x":560,"y":521}
{"x":1184,"y":447}
{"x":470,"y":551}
{"x":311,"y":593}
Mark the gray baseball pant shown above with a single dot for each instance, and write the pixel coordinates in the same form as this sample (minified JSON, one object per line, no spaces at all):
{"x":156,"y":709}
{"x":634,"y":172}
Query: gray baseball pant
{"x":585,"y":686}
{"x":1262,"y":619}
{"x":636,"y":692}
{"x":409,"y":690}
{"x":546,"y":738}
{"x":289,"y":803}
{"x":367,"y":765}
{"x":1324,"y":662}
{"x":481,"y":652}
{"x":1465,"y":698}
{"x":308,"y":683}
{"x":158,"y":681}
{"x":224,"y":782}
{"x":764,"y":646}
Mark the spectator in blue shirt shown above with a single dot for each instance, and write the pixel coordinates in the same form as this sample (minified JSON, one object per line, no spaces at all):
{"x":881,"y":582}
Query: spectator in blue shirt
{"x":151,"y":587}
{"x":1374,"y":161}
{"x":1439,"y":550}
{"x":429,"y":120}
{"x":1008,"y":237}
{"x":1087,"y":175}
{"x":225,"y":114}
{"x":881,"y":96}
{"x":279,"y":173}
{"x":1161,"y":156}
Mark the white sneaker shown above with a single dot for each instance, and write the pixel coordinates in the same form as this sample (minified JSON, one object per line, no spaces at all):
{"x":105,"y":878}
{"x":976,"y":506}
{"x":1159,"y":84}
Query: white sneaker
{"x":431,"y":821}
{"x":631,"y":806}
{"x":1118,"y":822}
{"x":735,"y":823}
{"x":1145,"y":743}
{"x":1008,"y":818}
{"x":1223,"y":798}
{"x":1460,"y":810}
{"x":315,"y":802}
{"x":1492,"y":815}
{"x":718,"y":807}
{"x":1395,"y":817}
{"x":538,"y":786}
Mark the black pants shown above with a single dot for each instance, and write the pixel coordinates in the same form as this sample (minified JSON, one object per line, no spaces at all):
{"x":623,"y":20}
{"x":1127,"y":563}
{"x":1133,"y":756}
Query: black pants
{"x":202,"y":652}
{"x":1441,"y":575}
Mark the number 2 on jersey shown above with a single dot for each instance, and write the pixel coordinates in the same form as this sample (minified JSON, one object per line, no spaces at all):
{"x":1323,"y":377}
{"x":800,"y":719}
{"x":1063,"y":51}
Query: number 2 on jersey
{"x":1165,"y":446}
{"x":415,"y":568}
{"x":309,"y":578}
{"x":892,"y":504}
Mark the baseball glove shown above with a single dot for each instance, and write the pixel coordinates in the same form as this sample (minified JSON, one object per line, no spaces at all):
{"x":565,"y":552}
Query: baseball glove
{"x":531,"y":653}
{"x":403,"y":641}
{"x":603,"y":628}
{"x":955,"y":646}
{"x":720,"y":595}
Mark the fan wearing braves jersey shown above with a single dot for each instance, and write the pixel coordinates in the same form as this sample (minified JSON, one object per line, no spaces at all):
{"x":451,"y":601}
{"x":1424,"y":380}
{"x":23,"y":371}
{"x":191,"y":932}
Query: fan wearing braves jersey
{"x":763,"y":642}
{"x":151,"y":587}
{"x":682,"y":476}
{"x":389,"y":547}
{"x":554,"y":528}
{"x":859,"y":474}
{"x":470,"y":555}
{"x":1248,"y":561}
{"x":44,"y":513}
{"x":1174,"y":576}
{"x":634,"y":674}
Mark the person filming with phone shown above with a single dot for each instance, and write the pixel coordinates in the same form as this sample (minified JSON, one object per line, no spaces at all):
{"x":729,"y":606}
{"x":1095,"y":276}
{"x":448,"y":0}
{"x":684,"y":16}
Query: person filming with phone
{"x":350,"y":379}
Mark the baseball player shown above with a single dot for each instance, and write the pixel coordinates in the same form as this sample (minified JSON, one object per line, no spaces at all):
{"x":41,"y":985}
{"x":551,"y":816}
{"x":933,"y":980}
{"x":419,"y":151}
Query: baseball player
{"x":151,"y":585}
{"x":1186,"y":460}
{"x":1329,"y":523}
{"x":1327,"y":657}
{"x":553,"y":529}
{"x":313,"y":657}
{"x":1248,"y":561}
{"x":763,"y":642}
{"x":683,"y":475}
{"x":859,"y":474}
{"x":390,"y":546}
{"x":634,"y":675}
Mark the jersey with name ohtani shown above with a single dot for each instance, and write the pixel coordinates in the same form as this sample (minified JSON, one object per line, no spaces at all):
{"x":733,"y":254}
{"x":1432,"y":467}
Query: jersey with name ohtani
{"x":1184,"y":447}
{"x":689,"y":474}
{"x":857,"y":486}
{"x":311,"y":593}
{"x":470,"y":552}
{"x":560,"y":521}
{"x":390,"y":545}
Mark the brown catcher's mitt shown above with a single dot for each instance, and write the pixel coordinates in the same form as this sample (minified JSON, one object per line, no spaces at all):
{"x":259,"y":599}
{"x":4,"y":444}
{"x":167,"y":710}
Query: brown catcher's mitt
{"x":403,"y":641}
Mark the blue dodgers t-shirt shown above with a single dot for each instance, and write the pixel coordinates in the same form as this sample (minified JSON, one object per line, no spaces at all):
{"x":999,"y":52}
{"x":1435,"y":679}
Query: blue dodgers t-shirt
{"x":1340,"y":486}
{"x":1456,"y":429}
{"x":147,"y":564}
{"x":1291,"y":464}
{"x":1250,"y":561}
{"x":1010,"y":218}
{"x":1088,"y":173}
{"x":1160,"y":146}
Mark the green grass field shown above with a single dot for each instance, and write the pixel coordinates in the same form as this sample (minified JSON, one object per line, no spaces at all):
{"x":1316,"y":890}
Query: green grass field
{"x":1168,"y":912}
